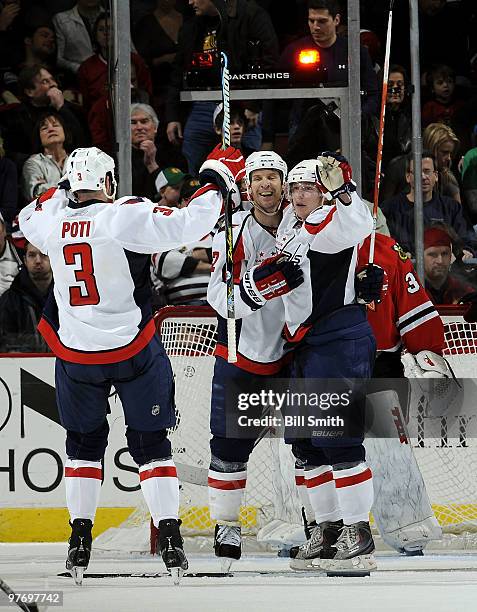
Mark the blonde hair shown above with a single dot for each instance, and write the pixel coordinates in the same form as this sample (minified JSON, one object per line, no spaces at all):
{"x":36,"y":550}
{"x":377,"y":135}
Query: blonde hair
{"x":433,"y":137}
{"x":436,"y":134}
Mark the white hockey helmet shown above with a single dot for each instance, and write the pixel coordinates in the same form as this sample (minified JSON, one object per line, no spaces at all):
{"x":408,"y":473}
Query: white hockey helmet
{"x":304,"y":172}
{"x":265,"y":160}
{"x":87,"y":169}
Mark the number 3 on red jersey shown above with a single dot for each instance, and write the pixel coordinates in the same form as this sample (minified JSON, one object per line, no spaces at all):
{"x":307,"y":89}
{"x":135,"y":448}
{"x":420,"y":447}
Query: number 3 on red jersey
{"x":80,"y":255}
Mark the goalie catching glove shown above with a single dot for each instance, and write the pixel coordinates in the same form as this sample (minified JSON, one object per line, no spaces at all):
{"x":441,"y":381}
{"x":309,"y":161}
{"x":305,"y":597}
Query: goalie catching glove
{"x":425,"y":364}
{"x":368,"y":284}
{"x":223,"y":168}
{"x":274,"y":277}
{"x":333,"y":174}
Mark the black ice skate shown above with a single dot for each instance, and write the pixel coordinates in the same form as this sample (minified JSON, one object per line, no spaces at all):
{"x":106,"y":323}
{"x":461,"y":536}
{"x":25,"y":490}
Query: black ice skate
{"x":228,"y":544}
{"x":322,"y":537}
{"x":352,"y":552}
{"x":171,"y":547}
{"x":79,"y":550}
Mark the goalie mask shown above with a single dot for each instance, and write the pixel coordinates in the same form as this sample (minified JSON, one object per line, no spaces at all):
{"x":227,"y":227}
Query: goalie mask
{"x":265,"y":160}
{"x":87,"y":169}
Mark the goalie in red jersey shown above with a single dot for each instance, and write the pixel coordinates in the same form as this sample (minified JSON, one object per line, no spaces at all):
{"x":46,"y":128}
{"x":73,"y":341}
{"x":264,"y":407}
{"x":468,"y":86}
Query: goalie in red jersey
{"x":410,"y":337}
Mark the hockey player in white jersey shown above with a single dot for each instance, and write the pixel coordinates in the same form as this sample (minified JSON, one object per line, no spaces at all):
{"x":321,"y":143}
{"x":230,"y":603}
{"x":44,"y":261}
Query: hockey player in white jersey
{"x":260,"y":278}
{"x":334,"y":340}
{"x":99,"y":324}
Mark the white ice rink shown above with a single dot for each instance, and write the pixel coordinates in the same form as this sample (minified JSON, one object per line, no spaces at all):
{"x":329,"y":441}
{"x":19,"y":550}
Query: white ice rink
{"x":434,"y":583}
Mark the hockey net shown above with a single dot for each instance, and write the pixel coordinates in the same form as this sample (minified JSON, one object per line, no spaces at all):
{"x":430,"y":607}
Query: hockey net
{"x":271,"y":505}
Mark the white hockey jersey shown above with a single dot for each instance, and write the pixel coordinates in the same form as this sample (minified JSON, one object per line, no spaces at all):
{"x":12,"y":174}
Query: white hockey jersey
{"x":325,"y":246}
{"x":259,"y":332}
{"x":99,"y":311}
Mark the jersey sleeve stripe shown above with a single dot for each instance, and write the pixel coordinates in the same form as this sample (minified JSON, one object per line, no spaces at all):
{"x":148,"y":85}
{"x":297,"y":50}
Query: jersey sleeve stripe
{"x":316,"y":228}
{"x":411,"y":313}
{"x":419,"y":320}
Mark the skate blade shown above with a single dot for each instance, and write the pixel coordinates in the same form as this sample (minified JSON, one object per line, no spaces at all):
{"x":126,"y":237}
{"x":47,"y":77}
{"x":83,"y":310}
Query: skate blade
{"x":360,"y":565}
{"x":306,"y":565}
{"x":176,"y":573}
{"x":77,"y":574}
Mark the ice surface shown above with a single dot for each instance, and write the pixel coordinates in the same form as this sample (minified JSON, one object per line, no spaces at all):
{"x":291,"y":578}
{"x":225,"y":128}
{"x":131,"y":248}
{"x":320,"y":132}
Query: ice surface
{"x":435,"y":582}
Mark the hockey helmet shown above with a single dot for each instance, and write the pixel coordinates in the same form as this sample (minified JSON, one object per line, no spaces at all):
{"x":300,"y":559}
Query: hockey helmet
{"x":87,"y":169}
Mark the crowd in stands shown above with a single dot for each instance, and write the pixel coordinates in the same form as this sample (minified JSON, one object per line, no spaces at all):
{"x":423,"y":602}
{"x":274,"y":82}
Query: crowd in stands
{"x":56,"y":95}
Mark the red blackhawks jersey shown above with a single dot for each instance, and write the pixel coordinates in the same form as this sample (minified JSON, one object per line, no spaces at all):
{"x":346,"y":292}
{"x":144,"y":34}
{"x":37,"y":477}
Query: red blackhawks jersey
{"x":100,"y":311}
{"x":405,"y":316}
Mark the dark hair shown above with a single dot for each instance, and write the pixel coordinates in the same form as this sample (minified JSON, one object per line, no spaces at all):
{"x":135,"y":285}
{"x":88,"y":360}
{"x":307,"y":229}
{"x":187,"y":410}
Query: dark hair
{"x":101,"y":17}
{"x":36,"y":140}
{"x":236,"y":112}
{"x":27,"y":76}
{"x":425,"y":155}
{"x":399,"y":68}
{"x":438,"y":70}
{"x":332,"y":6}
{"x":31,"y":28}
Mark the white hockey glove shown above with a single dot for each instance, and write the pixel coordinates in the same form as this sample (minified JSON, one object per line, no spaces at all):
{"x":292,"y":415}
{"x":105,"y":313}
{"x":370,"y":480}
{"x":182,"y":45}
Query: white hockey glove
{"x":217,"y":173}
{"x":425,"y":364}
{"x":333,"y":174}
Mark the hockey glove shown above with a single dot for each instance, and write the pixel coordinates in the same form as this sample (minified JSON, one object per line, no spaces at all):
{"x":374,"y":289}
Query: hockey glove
{"x":333,"y":174}
{"x":217,"y":173}
{"x":274,"y":277}
{"x":426,"y":364}
{"x":368,"y":284}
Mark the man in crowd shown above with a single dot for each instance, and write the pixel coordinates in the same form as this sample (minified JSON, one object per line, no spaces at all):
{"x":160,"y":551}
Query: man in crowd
{"x":41,"y":94}
{"x":441,"y":286}
{"x":22,"y":304}
{"x":399,"y":210}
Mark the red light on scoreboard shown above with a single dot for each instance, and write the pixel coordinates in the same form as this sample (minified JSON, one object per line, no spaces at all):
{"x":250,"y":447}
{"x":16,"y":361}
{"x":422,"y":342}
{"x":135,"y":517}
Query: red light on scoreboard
{"x":309,"y":57}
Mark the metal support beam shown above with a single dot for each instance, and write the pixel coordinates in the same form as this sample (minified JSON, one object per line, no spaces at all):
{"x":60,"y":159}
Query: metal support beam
{"x":121,"y":62}
{"x":353,"y":118}
{"x":417,"y":139}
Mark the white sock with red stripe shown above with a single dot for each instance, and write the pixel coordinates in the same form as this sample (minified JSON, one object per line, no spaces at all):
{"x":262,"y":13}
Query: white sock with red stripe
{"x":322,"y":493}
{"x":83,"y":486}
{"x":226,"y":490}
{"x":303,"y":493}
{"x":160,"y":488}
{"x":354,"y":487}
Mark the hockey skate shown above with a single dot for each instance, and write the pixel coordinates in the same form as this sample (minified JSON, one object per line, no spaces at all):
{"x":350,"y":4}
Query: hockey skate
{"x":352,"y":552}
{"x":228,"y":544}
{"x":79,"y":550}
{"x":322,"y":537}
{"x":171,"y":547}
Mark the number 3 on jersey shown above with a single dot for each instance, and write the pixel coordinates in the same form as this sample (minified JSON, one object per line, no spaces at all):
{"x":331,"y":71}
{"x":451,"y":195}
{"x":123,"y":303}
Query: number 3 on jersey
{"x":412,"y":284}
{"x":81,"y":256}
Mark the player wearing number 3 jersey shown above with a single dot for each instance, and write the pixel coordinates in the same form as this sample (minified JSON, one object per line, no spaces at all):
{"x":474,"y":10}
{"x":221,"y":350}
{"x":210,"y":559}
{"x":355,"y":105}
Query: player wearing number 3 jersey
{"x":99,"y":324}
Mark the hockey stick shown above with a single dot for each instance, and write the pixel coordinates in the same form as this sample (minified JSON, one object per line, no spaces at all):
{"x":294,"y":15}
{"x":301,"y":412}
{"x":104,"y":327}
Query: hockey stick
{"x":379,"y":157}
{"x":229,"y":239}
{"x":12,"y":598}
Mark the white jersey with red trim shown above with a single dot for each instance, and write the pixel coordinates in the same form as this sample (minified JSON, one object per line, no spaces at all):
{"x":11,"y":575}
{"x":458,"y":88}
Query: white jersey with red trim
{"x":259,"y":340}
{"x":100,"y":252}
{"x":325,"y":246}
{"x":405,"y":315}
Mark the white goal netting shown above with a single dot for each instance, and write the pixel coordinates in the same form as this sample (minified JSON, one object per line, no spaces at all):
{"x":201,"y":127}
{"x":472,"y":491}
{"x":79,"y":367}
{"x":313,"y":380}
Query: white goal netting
{"x":271,"y":505}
